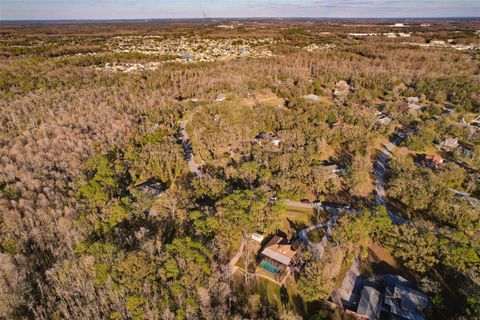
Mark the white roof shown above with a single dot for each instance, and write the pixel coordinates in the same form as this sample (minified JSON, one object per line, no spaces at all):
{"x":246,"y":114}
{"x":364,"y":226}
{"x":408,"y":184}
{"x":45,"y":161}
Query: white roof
{"x":312,"y":97}
{"x":257,"y":237}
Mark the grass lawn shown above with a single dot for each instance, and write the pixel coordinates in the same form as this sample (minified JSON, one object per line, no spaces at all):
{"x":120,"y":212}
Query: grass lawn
{"x":316,"y":235}
{"x":286,"y":297}
{"x":281,"y":297}
{"x":381,"y":261}
{"x":296,"y":219}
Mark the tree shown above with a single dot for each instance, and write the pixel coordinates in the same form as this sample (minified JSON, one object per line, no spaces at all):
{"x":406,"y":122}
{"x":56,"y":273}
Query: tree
{"x":417,"y":248}
{"x":318,"y":278}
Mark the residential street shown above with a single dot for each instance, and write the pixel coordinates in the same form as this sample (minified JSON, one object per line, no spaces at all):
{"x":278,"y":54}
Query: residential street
{"x":380,"y":171}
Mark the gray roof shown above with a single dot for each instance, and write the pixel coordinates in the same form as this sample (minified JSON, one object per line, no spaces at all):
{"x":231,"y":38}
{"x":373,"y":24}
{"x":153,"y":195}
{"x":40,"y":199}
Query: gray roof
{"x":369,"y":303}
{"x":407,"y":303}
{"x":276,"y":256}
{"x":349,"y":291}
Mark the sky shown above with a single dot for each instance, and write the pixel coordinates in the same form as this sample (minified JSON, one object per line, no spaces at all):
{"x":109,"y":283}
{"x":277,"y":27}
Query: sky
{"x":151,"y":9}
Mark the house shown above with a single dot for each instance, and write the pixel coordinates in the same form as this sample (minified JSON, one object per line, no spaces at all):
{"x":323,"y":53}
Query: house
{"x":433,"y":162}
{"x":404,"y":302}
{"x":342,"y":89}
{"x":467,"y":149}
{"x":414,"y":106}
{"x":449,"y":144}
{"x":263,"y":136}
{"x":370,"y":303}
{"x":384,"y":119}
{"x":349,"y":290}
{"x":277,"y":255}
{"x":221,"y":97}
{"x":475,"y":122}
{"x":331,"y":169}
{"x":437,"y":42}
{"x":402,"y":106}
{"x":311,"y":97}
{"x":391,"y":297}
{"x":151,"y":187}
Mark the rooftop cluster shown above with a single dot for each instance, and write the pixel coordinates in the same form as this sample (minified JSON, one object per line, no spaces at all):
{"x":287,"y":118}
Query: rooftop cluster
{"x":194,"y":49}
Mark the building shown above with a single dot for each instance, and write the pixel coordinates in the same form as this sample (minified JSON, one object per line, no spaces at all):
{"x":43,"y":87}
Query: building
{"x":258,"y":237}
{"x":311,"y":97}
{"x":449,"y":144}
{"x":412,"y":106}
{"x":437,"y":42}
{"x":221,"y":97}
{"x":433,"y":162}
{"x":370,"y":303}
{"x":263,"y":136}
{"x":277,"y":255}
{"x":384,"y":119}
{"x":475,"y":122}
{"x":391,"y":297}
{"x":342,"y":89}
{"x":467,"y":149}
{"x":331,"y":169}
{"x":350,"y":289}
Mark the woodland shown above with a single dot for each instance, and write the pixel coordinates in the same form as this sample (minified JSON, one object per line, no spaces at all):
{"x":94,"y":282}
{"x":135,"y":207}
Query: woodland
{"x":101,"y":217}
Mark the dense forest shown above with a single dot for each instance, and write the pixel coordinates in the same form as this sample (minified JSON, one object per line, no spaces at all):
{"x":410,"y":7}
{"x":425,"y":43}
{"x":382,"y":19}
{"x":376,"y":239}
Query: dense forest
{"x":103,"y":218}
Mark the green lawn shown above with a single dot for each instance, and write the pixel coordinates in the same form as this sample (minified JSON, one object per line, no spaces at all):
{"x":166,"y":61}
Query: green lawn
{"x":281,"y":297}
{"x":285,"y":298}
{"x":296,"y":219}
{"x":316,"y":235}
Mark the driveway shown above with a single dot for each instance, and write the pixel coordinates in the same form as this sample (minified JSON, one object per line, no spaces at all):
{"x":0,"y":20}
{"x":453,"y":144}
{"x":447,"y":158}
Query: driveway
{"x":187,"y":148}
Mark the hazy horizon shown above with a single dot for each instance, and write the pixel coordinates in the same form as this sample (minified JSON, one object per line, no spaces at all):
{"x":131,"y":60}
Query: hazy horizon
{"x":191,"y":9}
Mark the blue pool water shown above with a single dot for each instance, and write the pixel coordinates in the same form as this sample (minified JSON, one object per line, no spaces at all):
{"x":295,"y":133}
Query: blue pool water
{"x":269,"y":267}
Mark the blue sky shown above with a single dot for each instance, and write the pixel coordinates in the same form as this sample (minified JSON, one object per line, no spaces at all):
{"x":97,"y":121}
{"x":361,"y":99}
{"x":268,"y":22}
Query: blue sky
{"x":145,"y":9}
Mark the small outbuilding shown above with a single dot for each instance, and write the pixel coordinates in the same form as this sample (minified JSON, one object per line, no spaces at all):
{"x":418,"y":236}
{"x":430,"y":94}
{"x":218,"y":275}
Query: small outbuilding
{"x":220,"y":97}
{"x":311,"y":97}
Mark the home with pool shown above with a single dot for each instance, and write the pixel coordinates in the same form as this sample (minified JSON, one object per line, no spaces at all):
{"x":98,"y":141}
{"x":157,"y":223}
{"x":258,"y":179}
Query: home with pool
{"x":278,"y":255}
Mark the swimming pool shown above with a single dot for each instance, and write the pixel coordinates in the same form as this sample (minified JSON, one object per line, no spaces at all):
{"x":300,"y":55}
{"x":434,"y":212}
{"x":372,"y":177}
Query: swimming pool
{"x":269,"y":267}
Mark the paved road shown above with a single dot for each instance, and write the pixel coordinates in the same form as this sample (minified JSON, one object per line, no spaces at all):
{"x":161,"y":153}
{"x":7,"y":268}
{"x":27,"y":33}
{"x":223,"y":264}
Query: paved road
{"x":380,"y":170}
{"x":298,"y":204}
{"x":187,"y":147}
